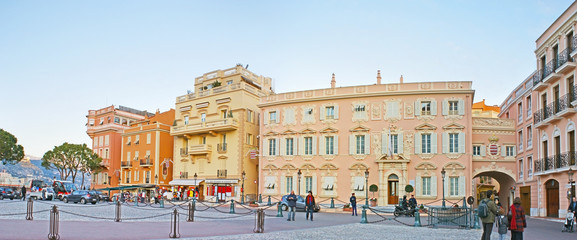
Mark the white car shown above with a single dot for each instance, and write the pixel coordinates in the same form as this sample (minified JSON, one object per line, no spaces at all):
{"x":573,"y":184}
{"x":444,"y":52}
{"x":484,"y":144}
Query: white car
{"x":44,"y":194}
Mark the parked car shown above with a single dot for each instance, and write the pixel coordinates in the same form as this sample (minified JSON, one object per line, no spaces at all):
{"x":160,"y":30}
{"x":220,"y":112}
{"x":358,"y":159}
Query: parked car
{"x":7,"y":193}
{"x":301,"y":207}
{"x":100,"y":196}
{"x":46,"y":193}
{"x":81,"y":196}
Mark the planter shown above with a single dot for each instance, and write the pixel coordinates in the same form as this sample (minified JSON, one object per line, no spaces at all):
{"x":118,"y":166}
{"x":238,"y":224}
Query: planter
{"x":423,"y":210}
{"x":347,"y":209}
{"x":253,"y":205}
{"x":373,"y":203}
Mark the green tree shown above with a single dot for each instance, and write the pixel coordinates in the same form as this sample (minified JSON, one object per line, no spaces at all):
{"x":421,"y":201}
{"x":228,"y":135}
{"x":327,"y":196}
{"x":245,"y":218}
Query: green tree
{"x":71,"y":159}
{"x":10,"y":151}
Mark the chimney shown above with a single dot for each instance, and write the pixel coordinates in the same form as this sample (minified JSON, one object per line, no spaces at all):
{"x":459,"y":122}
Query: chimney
{"x":401,"y":80}
{"x":333,"y":82}
{"x":378,"y":77}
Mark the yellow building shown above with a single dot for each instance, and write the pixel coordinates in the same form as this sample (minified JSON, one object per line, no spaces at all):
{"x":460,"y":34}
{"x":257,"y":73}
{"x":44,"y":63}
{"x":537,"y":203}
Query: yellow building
{"x":215,"y":135}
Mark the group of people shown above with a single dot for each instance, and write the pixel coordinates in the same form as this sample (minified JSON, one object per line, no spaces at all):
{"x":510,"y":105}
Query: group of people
{"x":292,"y":204}
{"x":513,"y":221}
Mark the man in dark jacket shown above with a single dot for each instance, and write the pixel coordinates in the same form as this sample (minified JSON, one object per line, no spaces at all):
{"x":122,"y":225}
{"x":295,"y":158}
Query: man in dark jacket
{"x":292,"y":204}
{"x":490,"y":219}
{"x":310,"y":205}
{"x":353,"y":202}
{"x":573,"y":205}
{"x":23,"y":191}
{"x":412,"y":202}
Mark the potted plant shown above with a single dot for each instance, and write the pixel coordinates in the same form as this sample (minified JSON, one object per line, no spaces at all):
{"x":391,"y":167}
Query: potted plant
{"x":373,"y":188}
{"x":253,"y":204}
{"x":347,"y":208}
{"x":422,"y":209}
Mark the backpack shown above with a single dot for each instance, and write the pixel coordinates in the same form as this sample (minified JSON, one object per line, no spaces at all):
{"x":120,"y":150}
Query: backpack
{"x":483,"y":209}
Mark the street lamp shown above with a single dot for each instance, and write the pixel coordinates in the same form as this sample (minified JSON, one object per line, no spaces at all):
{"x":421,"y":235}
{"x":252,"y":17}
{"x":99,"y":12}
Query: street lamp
{"x":242,"y":189}
{"x":443,"y":175}
{"x":299,"y":186}
{"x":570,"y":173}
{"x":366,"y":187}
{"x":109,"y":178}
{"x":156,"y":178}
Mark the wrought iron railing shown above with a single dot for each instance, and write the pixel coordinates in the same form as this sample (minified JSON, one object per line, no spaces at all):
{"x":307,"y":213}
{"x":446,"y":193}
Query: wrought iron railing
{"x":564,"y":57}
{"x":126,"y":164}
{"x":550,"y":68}
{"x":221,"y":173}
{"x":537,"y":77}
{"x":557,"y":161}
{"x":146,"y":162}
{"x":574,"y":43}
{"x":544,"y":113}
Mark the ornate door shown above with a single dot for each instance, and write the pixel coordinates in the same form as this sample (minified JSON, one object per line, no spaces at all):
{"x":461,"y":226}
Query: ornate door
{"x":393,"y":189}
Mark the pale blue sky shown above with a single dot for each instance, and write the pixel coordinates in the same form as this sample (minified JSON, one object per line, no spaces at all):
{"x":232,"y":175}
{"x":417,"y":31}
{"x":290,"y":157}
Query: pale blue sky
{"x":58,"y":59}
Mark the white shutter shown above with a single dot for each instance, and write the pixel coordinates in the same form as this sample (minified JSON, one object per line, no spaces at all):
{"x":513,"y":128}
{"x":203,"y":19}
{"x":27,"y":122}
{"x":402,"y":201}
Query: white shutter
{"x":434,"y":143}
{"x":277,"y":148}
{"x":462,"y":186}
{"x":515,"y":151}
{"x":314,"y":147}
{"x":395,"y":109}
{"x":336,"y":150}
{"x":461,"y":142}
{"x":322,"y":112}
{"x":367,"y":143}
{"x":461,"y":107}
{"x":384,"y":143}
{"x":418,"y":186}
{"x":302,"y":146}
{"x":390,"y":110}
{"x":295,"y":146}
{"x":400,"y":144}
{"x":282,"y":148}
{"x":445,"y":142}
{"x":417,"y":108}
{"x":417,"y":143}
{"x":483,"y":150}
{"x":434,"y":108}
{"x":352,"y":144}
{"x":278,"y":115}
{"x":445,"y":108}
{"x":503,"y":151}
{"x":265,"y":146}
{"x":446,"y":183}
{"x":322,"y":145}
{"x":314,"y":187}
{"x":433,"y":186}
{"x":266,"y":117}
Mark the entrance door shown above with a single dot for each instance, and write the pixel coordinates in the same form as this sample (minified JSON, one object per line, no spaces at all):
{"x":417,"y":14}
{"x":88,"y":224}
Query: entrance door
{"x":393,"y":189}
{"x":526,"y":199}
{"x":552,"y":187}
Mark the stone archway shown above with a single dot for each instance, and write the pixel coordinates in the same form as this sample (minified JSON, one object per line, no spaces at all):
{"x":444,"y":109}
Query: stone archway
{"x":504,"y":184}
{"x":552,"y":198}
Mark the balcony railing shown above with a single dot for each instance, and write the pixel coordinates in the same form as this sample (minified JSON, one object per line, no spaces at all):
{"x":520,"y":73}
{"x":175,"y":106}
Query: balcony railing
{"x":538,"y":77}
{"x":550,"y":68}
{"x":199,"y":149}
{"x":194,"y":128}
{"x":221,"y":173}
{"x":221,"y":147}
{"x":147,"y":162}
{"x":564,"y":57}
{"x":555,"y":162}
{"x":184,"y":152}
{"x":126,"y":164}
{"x":544,"y":113}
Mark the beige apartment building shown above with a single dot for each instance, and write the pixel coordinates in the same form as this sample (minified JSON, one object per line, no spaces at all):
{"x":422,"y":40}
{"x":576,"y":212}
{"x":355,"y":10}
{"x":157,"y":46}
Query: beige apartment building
{"x":215,"y":133}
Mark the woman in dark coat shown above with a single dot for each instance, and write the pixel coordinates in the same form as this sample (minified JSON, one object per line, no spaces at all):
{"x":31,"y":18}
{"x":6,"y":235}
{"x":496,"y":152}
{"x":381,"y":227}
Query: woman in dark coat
{"x":517,"y":221}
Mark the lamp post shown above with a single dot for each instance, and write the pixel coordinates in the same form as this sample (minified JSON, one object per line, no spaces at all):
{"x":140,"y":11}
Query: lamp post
{"x":195,"y":186}
{"x":299,"y":186}
{"x":570,"y":173}
{"x":242,"y":188}
{"x":443,"y":175}
{"x":366,"y":187}
{"x":109,"y":178}
{"x":156,"y":178}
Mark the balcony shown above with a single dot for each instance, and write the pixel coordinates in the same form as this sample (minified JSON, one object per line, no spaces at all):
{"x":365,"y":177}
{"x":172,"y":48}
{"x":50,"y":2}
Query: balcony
{"x":573,"y":46}
{"x":183,"y":152}
{"x":563,"y":105}
{"x":221,"y":173}
{"x":549,"y":74}
{"x":222,"y":125}
{"x":538,"y":83}
{"x":555,"y":162}
{"x":217,"y":90}
{"x":126,"y":164}
{"x":544,"y":116}
{"x":105,"y":163}
{"x":147,"y":162}
{"x":199,"y":149}
{"x":565,"y":63}
{"x":221,"y":148}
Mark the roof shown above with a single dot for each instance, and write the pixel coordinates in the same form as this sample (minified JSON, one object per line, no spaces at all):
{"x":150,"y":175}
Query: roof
{"x":484,"y":107}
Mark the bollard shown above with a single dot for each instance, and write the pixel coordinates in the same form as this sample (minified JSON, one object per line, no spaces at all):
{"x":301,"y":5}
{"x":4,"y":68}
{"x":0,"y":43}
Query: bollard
{"x":259,"y":221}
{"x":117,"y":212}
{"x":231,"y":206}
{"x":161,"y":202}
{"x":54,"y":225}
{"x":260,"y":198}
{"x":29,"y":209}
{"x":115,"y":199}
{"x":417,"y":219}
{"x":191,"y":208}
{"x":136,"y":201}
{"x":279,"y":212}
{"x":476,"y":224}
{"x":174,"y":231}
{"x":332,"y":203}
{"x":364,"y":215}
{"x":269,"y":202}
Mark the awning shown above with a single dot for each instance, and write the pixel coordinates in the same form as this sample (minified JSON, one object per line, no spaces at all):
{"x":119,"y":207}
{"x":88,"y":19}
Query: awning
{"x":217,"y":181}
{"x":185,"y":182}
{"x":127,"y":187}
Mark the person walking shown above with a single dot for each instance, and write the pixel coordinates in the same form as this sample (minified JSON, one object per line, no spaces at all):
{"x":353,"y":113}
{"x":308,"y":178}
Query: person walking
{"x":292,"y":204}
{"x":489,"y":220}
{"x":23,"y":191}
{"x":517,"y":221}
{"x":353,"y":202}
{"x":573,"y":205}
{"x":412,"y":202}
{"x":310,"y":205}
{"x":502,"y":224}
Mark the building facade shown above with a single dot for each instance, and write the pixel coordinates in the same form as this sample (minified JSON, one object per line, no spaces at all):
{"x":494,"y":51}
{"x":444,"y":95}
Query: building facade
{"x":147,"y":156}
{"x":105,"y":126}
{"x":215,"y":134}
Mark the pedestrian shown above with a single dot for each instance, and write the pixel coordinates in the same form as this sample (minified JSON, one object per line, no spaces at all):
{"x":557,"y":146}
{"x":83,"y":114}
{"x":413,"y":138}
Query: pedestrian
{"x":353,"y":202}
{"x":489,"y":220}
{"x":502,"y":224}
{"x":292,"y":203}
{"x":23,"y":191}
{"x":413,"y":202}
{"x":517,"y":221}
{"x":310,"y":205}
{"x":573,"y":205}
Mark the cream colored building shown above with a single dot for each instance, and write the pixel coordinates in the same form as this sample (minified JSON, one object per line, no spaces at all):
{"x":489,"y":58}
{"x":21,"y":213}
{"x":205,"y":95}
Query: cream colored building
{"x":215,"y":131}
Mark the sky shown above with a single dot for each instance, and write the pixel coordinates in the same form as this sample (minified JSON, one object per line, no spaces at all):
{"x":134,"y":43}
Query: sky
{"x":59,"y":59}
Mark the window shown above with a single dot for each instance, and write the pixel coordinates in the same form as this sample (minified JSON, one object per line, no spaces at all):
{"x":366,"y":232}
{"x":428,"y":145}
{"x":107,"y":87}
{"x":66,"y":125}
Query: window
{"x":476,"y":150}
{"x":510,"y":151}
{"x":229,"y":82}
{"x":128,"y":157}
{"x":308,"y":184}
{"x":289,"y":146}
{"x":136,"y":139}
{"x":453,"y":107}
{"x":426,"y":108}
{"x":426,"y":143}
{"x":136,"y":155}
{"x":148,"y":138}
{"x":101,"y":141}
{"x":272,"y":147}
{"x":529,"y":111}
{"x":289,"y":184}
{"x":128,"y":177}
{"x":203,"y":140}
{"x":426,"y":191}
{"x":203,"y":117}
{"x":521,"y":169}
{"x":329,"y":145}
{"x":136,"y":176}
{"x":520,"y":140}
{"x":101,"y":121}
{"x":249,"y":139}
{"x":520,"y":113}
{"x":224,"y":113}
{"x":249,"y":116}
{"x":147,"y":177}
{"x":453,"y":142}
{"x":360,"y":140}
{"x":330,"y":111}
{"x":116,"y":120}
{"x":529,"y":137}
{"x":106,"y":156}
{"x":185,"y":120}
{"x":453,"y":186}
{"x":272,"y":117}
{"x":395,"y":143}
{"x":530,"y":166}
{"x":106,"y":140}
{"x":359,"y":111}
{"x":308,"y":146}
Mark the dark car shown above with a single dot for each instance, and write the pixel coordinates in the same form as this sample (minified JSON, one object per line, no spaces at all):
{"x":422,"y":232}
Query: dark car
{"x":100,"y":196}
{"x":81,"y":196}
{"x":7,"y":193}
{"x":300,"y":204}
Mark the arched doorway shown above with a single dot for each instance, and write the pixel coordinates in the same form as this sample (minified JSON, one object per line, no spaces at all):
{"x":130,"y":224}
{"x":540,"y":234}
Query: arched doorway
{"x":393,"y":189}
{"x":552,"y":188}
{"x":501,"y":183}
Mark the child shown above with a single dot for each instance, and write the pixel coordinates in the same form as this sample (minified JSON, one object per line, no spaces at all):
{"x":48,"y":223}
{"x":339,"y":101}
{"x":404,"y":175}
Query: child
{"x":502,"y":224}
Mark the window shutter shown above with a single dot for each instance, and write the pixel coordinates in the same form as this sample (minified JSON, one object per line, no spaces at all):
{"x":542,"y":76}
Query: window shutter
{"x":314,"y":148}
{"x":433,"y":186}
{"x":265,"y":146}
{"x":461,"y":107}
{"x":367,"y":143}
{"x":395,"y":109}
{"x":352,"y":144}
{"x":384,"y":143}
{"x":418,"y":186}
{"x":417,"y":143}
{"x":400,"y":145}
{"x":445,"y":142}
{"x":417,"y":108}
{"x":295,"y":145}
{"x":503,"y":151}
{"x":462,"y":186}
{"x":322,"y":112}
{"x":461,"y":142}
{"x":322,"y":145}
{"x":282,"y":148}
{"x":447,"y":189}
{"x":336,"y":150}
{"x":266,"y":117}
{"x":336,"y":111}
{"x":514,"y":150}
{"x":445,"y":107}
{"x":434,"y":108}
{"x":483,"y":150}
{"x":277,"y":142}
{"x":314,"y":187}
{"x":278,"y":115}
{"x":302,"y":146}
{"x":434,"y":143}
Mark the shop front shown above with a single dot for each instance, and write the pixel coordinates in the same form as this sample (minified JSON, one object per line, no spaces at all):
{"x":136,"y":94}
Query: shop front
{"x":184,"y":189}
{"x":221,"y":190}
